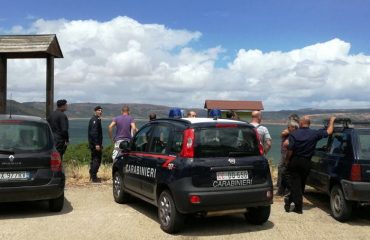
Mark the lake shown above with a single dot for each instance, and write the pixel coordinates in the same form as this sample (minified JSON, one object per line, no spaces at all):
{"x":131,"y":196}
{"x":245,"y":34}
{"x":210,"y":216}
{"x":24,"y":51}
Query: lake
{"x":78,"y":134}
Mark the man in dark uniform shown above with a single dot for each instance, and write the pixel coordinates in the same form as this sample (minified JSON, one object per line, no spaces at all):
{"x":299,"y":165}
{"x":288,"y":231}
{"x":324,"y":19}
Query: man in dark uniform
{"x":95,"y":135}
{"x":301,"y":147}
{"x":58,"y":122}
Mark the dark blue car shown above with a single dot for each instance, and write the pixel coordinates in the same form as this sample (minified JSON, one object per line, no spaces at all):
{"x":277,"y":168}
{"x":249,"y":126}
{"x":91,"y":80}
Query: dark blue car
{"x":341,"y":167}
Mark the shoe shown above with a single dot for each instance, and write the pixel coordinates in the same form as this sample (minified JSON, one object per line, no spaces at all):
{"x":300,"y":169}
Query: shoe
{"x":298,"y":211}
{"x":95,"y":180}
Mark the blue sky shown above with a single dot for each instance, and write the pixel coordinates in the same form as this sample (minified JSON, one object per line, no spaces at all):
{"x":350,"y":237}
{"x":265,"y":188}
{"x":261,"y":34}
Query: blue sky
{"x":235,"y":28}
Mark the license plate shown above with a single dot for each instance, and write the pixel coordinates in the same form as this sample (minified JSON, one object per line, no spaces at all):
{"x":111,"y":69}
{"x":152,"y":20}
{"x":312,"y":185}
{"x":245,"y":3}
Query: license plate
{"x":11,"y":176}
{"x":232,"y":175}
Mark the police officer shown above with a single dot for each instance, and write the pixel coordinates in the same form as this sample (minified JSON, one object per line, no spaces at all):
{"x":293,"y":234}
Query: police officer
{"x":301,"y":147}
{"x":95,"y":135}
{"x":58,"y":122}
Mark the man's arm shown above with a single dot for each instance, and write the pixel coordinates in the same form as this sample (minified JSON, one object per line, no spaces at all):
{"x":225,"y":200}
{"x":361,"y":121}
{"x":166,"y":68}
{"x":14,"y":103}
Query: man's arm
{"x":288,"y":157}
{"x":267,"y":146}
{"x":330,"y":128}
{"x":133,"y":128}
{"x":284,"y":133}
{"x":110,"y":130}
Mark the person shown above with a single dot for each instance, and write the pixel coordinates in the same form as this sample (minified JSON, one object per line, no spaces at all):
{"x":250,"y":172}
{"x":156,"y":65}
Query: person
{"x":232,"y":115}
{"x":191,"y":114}
{"x":59,"y":124}
{"x":301,"y":147}
{"x":282,"y":182}
{"x":125,"y":129}
{"x":152,"y":116}
{"x":263,"y":132}
{"x":95,"y":136}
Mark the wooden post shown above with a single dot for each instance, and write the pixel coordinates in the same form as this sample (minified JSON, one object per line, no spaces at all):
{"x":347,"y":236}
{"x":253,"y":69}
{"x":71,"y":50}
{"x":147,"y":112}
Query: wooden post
{"x":3,"y":83}
{"x":49,"y":85}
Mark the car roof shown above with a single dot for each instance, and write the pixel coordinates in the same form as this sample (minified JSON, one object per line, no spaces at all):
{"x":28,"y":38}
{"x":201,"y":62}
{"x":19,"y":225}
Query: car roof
{"x":22,"y":118}
{"x":200,"y":121}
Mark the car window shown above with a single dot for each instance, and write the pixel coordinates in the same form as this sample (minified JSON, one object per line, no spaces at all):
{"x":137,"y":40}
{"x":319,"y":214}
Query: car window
{"x":364,"y":145}
{"x":176,"y":144}
{"x":141,"y":140}
{"x":224,"y":142}
{"x":322,"y":145}
{"x":339,"y":144}
{"x":21,"y":136}
{"x":160,"y":139}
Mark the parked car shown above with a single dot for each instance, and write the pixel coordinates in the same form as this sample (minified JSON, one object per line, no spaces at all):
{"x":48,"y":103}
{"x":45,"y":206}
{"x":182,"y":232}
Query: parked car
{"x":341,"y":167}
{"x":30,"y":166}
{"x":195,"y":166}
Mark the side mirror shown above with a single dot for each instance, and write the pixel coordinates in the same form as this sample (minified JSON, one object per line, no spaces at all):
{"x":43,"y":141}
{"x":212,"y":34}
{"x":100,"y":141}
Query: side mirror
{"x":125,"y":146}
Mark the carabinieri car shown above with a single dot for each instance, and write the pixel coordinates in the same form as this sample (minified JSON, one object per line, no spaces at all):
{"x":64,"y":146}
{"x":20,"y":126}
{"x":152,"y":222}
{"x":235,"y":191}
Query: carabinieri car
{"x":194,"y":166}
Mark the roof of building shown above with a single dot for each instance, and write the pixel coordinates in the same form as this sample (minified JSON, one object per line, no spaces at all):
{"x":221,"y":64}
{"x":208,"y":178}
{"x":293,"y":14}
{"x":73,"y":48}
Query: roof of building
{"x":30,"y":46}
{"x":233,"y":105}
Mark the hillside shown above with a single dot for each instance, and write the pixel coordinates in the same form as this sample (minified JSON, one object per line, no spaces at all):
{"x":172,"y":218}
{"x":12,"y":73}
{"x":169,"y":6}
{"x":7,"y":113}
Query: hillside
{"x":85,"y":110}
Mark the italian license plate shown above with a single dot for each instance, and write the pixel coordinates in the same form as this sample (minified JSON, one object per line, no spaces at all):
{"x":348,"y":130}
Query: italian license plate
{"x":232,"y":175}
{"x":12,"y":176}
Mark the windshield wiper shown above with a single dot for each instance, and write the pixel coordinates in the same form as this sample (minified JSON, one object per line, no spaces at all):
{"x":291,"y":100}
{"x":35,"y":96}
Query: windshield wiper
{"x":5,"y":151}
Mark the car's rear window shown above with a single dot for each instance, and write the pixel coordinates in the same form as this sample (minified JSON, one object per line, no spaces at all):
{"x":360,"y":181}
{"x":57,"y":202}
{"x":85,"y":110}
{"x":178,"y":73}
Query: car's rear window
{"x":225,"y":142}
{"x":18,"y":136}
{"x":364,"y":145}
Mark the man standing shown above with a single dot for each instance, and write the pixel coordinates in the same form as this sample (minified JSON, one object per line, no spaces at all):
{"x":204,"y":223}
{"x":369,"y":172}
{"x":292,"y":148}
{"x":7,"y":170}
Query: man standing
{"x":125,"y":129}
{"x":58,"y":122}
{"x":95,"y":135}
{"x":263,"y":132}
{"x":301,"y":147}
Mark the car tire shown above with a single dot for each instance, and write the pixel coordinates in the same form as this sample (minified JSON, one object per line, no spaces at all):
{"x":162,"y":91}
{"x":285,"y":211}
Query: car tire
{"x":56,"y":204}
{"x":341,"y":209}
{"x":258,"y":215}
{"x":169,"y":218}
{"x":119,"y":194}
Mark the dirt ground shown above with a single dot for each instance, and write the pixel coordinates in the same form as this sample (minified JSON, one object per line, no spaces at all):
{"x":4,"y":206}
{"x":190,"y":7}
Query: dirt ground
{"x":91,"y":213}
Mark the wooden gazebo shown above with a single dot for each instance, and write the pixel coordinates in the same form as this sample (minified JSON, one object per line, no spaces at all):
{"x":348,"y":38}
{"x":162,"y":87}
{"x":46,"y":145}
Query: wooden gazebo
{"x":29,"y":46}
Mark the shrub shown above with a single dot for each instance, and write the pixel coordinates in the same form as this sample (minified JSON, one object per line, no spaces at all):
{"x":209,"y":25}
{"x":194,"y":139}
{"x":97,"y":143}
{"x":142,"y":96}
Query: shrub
{"x":78,"y":154}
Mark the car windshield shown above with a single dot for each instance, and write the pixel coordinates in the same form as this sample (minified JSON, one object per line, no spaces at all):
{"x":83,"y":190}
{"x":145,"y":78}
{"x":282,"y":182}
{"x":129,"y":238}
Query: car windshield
{"x":225,"y":142}
{"x":18,"y":136}
{"x":364,"y":145}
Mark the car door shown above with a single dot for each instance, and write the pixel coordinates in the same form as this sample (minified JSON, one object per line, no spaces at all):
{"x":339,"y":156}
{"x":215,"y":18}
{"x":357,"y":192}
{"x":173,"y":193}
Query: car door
{"x":158,"y":153}
{"x":133,"y":167}
{"x":317,"y":176}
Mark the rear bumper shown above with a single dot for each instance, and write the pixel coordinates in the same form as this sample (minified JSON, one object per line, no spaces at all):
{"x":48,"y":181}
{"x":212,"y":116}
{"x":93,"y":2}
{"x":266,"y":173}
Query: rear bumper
{"x":215,"y":199}
{"x":356,"y":191}
{"x":52,"y":190}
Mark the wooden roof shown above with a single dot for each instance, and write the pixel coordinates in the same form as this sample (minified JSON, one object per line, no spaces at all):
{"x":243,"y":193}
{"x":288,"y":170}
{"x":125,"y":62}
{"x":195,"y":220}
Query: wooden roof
{"x":30,"y":46}
{"x":233,"y":105}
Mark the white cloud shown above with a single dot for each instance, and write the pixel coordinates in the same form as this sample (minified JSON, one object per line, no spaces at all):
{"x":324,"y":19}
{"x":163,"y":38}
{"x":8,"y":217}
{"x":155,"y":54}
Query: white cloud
{"x":122,"y":60}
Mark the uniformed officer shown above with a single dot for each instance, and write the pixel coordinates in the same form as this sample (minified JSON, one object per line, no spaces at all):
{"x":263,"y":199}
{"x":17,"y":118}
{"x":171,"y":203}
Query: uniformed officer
{"x":301,"y":147}
{"x":95,"y":135}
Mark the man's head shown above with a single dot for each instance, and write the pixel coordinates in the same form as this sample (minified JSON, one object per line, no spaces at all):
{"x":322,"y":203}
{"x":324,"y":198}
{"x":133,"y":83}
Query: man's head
{"x":304,"y":121}
{"x":125,"y":110}
{"x":152,"y":116}
{"x":292,"y":125}
{"x":294,"y":117}
{"x":256,"y":116}
{"x":192,"y":114}
{"x":62,"y":105}
{"x":98,"y":111}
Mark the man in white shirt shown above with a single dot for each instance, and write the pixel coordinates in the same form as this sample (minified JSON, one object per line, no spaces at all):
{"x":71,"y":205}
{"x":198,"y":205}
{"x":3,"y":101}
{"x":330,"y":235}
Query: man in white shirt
{"x":263,"y":132}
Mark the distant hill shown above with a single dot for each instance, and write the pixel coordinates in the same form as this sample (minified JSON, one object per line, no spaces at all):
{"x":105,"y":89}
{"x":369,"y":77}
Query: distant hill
{"x":85,"y":110}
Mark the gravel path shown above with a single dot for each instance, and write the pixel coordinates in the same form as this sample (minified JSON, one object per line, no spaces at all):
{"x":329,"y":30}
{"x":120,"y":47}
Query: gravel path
{"x":90,"y":213}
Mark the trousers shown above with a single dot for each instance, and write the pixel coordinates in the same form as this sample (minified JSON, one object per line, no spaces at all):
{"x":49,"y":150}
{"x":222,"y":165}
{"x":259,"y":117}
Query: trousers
{"x":95,"y":162}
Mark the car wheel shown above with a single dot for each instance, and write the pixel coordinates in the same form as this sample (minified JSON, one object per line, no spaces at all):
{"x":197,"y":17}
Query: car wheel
{"x":119,"y":194}
{"x":341,"y":209}
{"x":169,"y":218}
{"x":258,"y":215}
{"x":56,"y":205}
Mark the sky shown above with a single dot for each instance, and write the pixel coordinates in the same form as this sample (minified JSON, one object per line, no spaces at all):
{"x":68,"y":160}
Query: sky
{"x":287,"y":54}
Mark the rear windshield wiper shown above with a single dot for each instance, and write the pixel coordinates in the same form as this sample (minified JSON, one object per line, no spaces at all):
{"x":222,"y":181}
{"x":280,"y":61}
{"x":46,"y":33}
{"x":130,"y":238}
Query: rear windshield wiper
{"x":5,"y":151}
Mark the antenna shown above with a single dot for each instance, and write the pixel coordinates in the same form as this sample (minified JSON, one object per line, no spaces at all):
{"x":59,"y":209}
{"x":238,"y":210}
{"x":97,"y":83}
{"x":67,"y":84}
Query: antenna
{"x":10,"y":106}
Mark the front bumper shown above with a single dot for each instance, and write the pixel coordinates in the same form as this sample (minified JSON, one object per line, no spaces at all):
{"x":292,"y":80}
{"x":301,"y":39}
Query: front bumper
{"x":52,"y":190}
{"x":356,"y":191}
{"x":217,"y":199}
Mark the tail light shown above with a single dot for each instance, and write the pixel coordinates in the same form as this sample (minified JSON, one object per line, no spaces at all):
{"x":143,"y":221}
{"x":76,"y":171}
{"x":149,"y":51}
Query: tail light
{"x":55,"y":162}
{"x":194,"y":199}
{"x":356,"y":172}
{"x":187,"y":150}
{"x":260,"y":146}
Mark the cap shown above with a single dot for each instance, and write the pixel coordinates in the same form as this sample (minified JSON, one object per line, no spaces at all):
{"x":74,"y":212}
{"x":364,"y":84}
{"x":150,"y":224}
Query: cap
{"x":97,"y":108}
